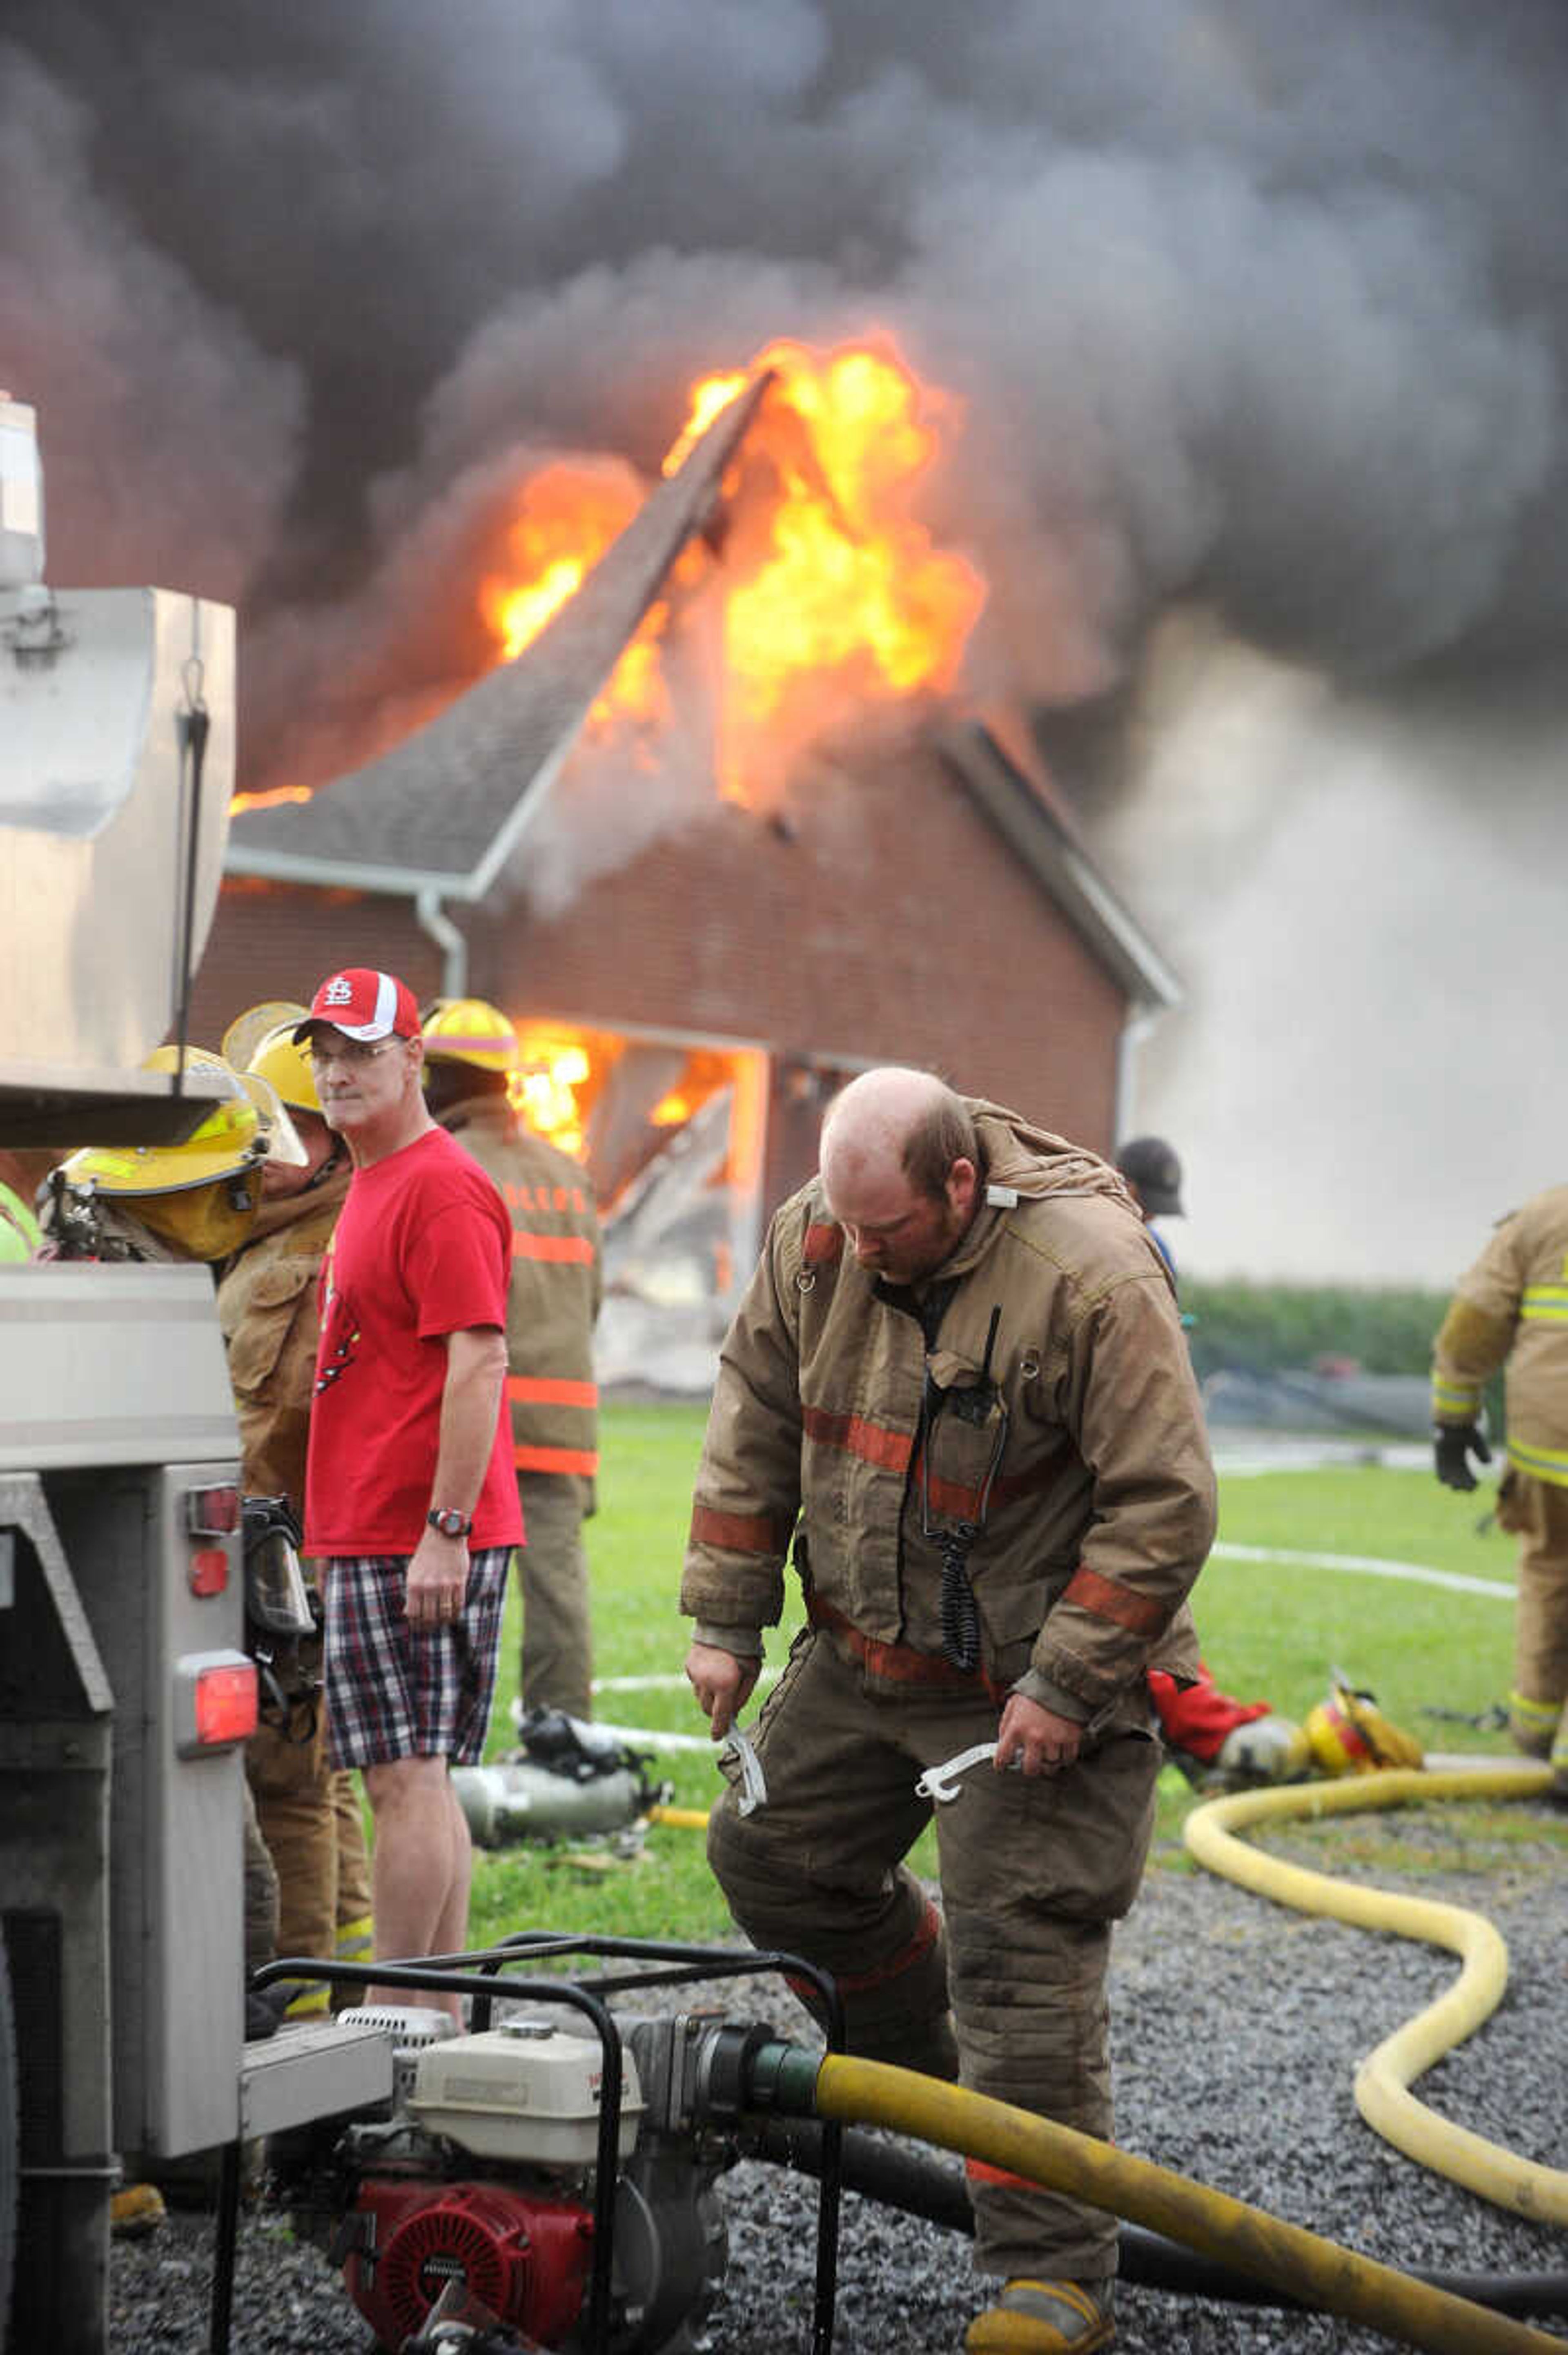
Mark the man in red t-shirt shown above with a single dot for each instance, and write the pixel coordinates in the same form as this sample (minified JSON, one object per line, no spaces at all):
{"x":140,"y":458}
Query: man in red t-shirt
{"x":410,"y":1507}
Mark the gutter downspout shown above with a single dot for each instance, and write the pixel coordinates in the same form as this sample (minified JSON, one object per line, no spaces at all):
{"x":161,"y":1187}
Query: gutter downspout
{"x":1133,"y":1031}
{"x":434,"y":919}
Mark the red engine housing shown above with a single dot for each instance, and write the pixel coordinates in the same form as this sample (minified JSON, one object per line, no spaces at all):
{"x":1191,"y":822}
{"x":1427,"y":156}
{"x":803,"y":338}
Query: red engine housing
{"x":526,"y":2259}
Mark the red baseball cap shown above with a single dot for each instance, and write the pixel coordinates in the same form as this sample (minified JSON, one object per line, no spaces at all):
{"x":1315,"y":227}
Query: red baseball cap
{"x":364,"y":1005}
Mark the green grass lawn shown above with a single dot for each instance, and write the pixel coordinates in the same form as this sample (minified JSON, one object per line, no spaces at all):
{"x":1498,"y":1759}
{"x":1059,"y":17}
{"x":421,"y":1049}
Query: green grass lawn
{"x":1271,"y":1630}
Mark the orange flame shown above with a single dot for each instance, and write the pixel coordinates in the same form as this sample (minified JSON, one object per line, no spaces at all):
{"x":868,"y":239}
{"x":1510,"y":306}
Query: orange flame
{"x":544,"y":1086}
{"x":833,"y":595}
{"x":567,"y":516}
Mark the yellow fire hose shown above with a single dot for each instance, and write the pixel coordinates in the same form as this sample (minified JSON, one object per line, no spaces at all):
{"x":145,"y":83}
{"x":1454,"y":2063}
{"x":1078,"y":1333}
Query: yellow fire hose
{"x":1317,"y":2272}
{"x":1383,"y":2078}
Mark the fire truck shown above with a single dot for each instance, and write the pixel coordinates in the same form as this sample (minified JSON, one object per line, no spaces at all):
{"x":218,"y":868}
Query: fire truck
{"x":126,"y":1693}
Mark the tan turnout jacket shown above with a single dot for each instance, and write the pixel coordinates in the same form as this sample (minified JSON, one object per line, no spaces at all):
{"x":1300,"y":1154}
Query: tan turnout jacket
{"x":267,"y":1308}
{"x":1096,"y":1496}
{"x":1512,"y":1304}
{"x":556,"y":1289}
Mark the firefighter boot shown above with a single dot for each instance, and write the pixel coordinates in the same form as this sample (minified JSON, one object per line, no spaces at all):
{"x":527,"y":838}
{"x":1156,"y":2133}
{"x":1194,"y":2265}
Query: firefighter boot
{"x":1045,"y":2317}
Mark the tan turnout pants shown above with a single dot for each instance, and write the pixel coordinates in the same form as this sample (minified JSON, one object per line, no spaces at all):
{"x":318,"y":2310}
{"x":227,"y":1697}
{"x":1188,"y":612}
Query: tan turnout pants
{"x":552,"y":1568}
{"x":1537,"y":1513}
{"x":310,"y":1818}
{"x":1032,"y":1872}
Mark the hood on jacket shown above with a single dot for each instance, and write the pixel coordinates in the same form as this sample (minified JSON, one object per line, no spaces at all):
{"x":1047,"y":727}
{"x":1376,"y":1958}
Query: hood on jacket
{"x":1036,"y":1163}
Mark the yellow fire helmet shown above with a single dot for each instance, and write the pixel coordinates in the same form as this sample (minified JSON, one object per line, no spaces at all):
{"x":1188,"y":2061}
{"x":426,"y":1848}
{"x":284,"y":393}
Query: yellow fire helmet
{"x":246,"y":1126}
{"x":1348,"y":1734}
{"x":470,"y":1030}
{"x":288,"y":1068}
{"x":247,"y":1030}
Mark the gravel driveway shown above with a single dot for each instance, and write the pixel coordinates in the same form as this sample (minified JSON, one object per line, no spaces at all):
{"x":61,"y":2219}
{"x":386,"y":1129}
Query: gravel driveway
{"x":1237,"y":2026}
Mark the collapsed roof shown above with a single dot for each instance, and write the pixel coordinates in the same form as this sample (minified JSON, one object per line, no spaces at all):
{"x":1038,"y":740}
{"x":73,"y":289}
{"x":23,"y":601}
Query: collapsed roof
{"x":443,"y":811}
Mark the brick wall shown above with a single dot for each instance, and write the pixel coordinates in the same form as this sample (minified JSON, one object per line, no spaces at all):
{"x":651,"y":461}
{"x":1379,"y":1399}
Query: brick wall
{"x":274,"y":940}
{"x":878,"y":918}
{"x":884,"y":920}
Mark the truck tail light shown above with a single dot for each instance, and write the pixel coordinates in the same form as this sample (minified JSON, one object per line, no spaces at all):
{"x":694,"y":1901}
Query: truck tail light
{"x":212,"y":1512}
{"x":215,"y":1702}
{"x":208,"y":1571}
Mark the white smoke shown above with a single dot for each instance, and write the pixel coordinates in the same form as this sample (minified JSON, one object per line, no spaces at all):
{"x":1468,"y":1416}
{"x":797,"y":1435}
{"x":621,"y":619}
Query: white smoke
{"x":1364,"y":896}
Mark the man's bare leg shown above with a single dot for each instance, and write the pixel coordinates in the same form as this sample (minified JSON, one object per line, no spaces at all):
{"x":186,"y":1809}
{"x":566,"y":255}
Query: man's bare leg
{"x":419,"y":1870}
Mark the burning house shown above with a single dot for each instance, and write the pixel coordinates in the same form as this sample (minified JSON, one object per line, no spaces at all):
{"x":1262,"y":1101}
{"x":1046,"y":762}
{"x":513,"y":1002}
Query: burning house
{"x":716,"y":832}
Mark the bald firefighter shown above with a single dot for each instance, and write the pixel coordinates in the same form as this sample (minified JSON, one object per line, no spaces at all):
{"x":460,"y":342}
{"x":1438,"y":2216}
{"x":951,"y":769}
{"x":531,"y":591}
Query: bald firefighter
{"x":308,"y":1810}
{"x":1511,"y":1309}
{"x":958,"y":1383}
{"x":471,"y":1051}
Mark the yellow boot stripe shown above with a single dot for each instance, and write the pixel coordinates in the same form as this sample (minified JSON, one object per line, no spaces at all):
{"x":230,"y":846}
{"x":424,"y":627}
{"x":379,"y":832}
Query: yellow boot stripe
{"x":355,"y":1940}
{"x":1543,"y":1713}
{"x":1064,"y":2293}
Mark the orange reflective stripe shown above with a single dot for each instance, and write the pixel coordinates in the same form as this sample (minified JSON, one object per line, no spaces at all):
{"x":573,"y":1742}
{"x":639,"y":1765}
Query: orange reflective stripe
{"x":557,"y":1459}
{"x":889,"y":1450}
{"x":898,"y":1664}
{"x":978,"y":2171}
{"x":963,"y":1504}
{"x":740,"y":1532}
{"x":1106,"y":1599}
{"x":527,"y":1244}
{"x":863,"y":1982}
{"x":542,"y":1390}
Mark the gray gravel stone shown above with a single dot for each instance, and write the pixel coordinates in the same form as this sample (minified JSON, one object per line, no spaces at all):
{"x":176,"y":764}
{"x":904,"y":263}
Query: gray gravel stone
{"x":1237,"y":2027}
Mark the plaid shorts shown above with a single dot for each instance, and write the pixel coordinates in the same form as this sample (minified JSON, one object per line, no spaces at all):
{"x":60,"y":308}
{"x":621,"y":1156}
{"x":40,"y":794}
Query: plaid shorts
{"x":394,"y":1693}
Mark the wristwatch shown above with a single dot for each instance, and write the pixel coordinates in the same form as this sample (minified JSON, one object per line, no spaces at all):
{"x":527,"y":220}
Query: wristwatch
{"x":450,"y":1521}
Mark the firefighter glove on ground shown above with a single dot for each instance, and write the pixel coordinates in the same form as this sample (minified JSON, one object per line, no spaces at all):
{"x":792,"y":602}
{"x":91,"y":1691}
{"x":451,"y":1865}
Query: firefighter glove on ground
{"x":1454,"y":1444}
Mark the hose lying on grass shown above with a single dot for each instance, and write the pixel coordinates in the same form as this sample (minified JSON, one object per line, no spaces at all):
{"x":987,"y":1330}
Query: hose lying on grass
{"x":1383,"y":2078}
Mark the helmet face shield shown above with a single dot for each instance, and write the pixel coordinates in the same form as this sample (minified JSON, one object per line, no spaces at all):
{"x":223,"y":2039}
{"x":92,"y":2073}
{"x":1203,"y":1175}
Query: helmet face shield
{"x":277,"y":1136}
{"x":246,"y":1126}
{"x":245,"y":1033}
{"x":287,"y":1067}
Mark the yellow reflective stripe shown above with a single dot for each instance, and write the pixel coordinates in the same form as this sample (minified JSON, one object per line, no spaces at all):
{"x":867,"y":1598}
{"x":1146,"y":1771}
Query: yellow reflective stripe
{"x":1545,"y":1302}
{"x":355,"y":1940}
{"x":1451,"y":1398}
{"x":308,"y":2006}
{"x":1544,"y":1714}
{"x":1548,"y":1463}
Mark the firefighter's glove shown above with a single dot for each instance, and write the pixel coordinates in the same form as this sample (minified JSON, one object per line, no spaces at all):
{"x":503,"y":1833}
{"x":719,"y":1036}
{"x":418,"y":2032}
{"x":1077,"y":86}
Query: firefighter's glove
{"x":1453,"y":1444}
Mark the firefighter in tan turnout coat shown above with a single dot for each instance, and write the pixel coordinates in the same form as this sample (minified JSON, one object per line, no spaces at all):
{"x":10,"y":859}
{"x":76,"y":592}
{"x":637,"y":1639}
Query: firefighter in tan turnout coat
{"x":552,"y":1306}
{"x":1511,"y":1308}
{"x":308,"y":1810}
{"x":958,"y":1381}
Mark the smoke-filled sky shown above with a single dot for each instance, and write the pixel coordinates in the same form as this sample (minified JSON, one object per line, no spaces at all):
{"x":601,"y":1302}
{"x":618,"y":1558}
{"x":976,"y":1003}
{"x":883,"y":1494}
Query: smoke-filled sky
{"x":1255,"y":305}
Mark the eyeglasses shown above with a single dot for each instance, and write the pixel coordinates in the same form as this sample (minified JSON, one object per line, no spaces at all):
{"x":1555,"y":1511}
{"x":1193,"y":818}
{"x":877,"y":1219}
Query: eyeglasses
{"x":351,"y":1051}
